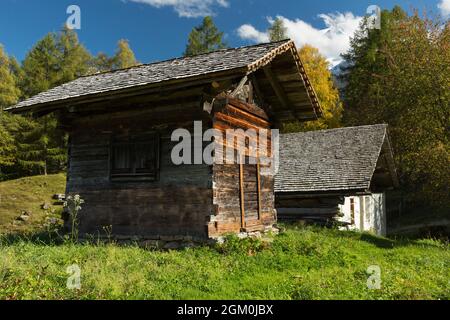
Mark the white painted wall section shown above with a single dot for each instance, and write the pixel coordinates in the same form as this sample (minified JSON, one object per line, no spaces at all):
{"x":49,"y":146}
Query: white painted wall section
{"x":365,"y":213}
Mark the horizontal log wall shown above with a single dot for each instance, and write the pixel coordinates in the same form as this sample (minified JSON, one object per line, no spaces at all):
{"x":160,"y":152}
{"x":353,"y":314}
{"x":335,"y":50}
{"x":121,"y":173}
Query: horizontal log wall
{"x":227,"y":216}
{"x":314,"y":208}
{"x":179,"y":203}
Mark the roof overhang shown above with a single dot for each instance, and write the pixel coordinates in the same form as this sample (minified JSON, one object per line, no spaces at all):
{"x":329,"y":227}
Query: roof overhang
{"x":281,"y":80}
{"x":279,"y":76}
{"x":385,"y":174}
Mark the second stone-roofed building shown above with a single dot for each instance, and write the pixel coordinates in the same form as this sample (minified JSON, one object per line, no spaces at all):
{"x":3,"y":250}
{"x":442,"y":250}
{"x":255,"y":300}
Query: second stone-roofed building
{"x":336,"y":175}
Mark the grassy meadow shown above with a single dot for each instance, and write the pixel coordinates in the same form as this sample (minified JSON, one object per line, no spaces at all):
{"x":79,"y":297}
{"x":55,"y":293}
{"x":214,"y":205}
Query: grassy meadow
{"x":300,"y":263}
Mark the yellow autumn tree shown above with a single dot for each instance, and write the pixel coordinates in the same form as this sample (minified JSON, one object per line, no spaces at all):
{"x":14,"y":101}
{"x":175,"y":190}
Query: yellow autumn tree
{"x":317,"y":69}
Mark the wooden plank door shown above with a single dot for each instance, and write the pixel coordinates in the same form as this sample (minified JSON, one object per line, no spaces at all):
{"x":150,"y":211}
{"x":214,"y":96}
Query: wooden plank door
{"x":250,"y":193}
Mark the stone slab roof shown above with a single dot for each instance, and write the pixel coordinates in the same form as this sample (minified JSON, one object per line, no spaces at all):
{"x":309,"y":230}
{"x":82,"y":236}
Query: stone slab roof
{"x":330,"y":160}
{"x":244,"y":60}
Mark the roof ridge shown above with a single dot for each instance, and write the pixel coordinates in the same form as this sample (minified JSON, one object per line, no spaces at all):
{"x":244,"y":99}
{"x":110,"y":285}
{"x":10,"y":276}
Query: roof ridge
{"x":182,"y":58}
{"x":339,"y":129}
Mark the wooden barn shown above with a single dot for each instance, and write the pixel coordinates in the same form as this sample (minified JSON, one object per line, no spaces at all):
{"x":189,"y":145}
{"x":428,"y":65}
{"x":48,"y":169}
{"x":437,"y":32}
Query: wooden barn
{"x":337,"y":174}
{"x":120,"y":127}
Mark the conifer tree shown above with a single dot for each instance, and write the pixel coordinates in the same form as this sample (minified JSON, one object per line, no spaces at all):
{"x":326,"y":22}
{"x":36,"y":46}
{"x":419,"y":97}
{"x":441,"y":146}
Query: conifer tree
{"x":103,"y":63}
{"x":204,"y":38}
{"x":124,"y":57}
{"x":41,"y":66}
{"x":9,"y":93}
{"x":74,"y":59}
{"x":277,"y":30}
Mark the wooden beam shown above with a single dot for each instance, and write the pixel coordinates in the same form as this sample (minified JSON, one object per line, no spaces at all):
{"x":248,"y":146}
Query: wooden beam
{"x":263,"y":103}
{"x":241,"y":189}
{"x":174,"y":84}
{"x":240,"y":86}
{"x":258,"y":181}
{"x":281,"y":95}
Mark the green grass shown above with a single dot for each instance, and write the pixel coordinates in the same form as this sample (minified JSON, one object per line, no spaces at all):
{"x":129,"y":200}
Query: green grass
{"x":301,"y":263}
{"x":28,"y":194}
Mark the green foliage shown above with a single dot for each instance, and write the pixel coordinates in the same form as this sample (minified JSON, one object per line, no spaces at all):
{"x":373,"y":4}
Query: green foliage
{"x":204,"y":38}
{"x":42,"y":147}
{"x":302,"y":263}
{"x":233,"y":245}
{"x":102,"y":62}
{"x":54,"y":60}
{"x":17,"y":72}
{"x":317,"y":69}
{"x":10,"y":127}
{"x":7,"y":148}
{"x":74,"y":59}
{"x":124,"y":57}
{"x":40,"y":67}
{"x":400,"y":75}
{"x":29,"y":146}
{"x":277,"y":30}
{"x":9,"y":93}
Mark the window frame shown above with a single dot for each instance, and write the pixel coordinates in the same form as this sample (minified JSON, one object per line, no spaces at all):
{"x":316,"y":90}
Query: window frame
{"x":352,"y":210}
{"x":131,"y":141}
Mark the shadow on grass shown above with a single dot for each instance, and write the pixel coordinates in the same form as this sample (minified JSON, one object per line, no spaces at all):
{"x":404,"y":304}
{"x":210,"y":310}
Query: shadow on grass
{"x":39,"y":238}
{"x":387,"y":243}
{"x":379,"y":242}
{"x":425,"y":240}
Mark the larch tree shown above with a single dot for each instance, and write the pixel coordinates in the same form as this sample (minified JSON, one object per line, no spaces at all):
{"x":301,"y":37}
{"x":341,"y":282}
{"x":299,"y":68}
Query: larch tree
{"x":9,"y":93}
{"x":103,"y":63}
{"x":204,"y":38}
{"x":277,"y":30}
{"x":54,"y":60}
{"x":74,"y":59}
{"x":41,"y":66}
{"x":124,"y":57}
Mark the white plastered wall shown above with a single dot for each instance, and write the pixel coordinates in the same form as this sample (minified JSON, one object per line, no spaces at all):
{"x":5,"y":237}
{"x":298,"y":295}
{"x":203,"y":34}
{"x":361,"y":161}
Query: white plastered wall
{"x":368,"y":213}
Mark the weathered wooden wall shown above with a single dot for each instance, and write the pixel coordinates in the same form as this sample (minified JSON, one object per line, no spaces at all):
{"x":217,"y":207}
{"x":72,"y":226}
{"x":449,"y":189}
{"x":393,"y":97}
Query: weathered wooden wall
{"x":179,"y":203}
{"x":234,"y":186}
{"x":315,"y":208}
{"x":186,"y":200}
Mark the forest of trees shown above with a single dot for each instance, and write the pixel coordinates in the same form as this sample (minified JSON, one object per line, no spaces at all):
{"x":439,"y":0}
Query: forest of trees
{"x":398,"y":75}
{"x":31,"y":146}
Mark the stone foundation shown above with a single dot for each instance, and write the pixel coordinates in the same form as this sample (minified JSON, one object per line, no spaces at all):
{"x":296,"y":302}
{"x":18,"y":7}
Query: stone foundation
{"x":176,"y":242}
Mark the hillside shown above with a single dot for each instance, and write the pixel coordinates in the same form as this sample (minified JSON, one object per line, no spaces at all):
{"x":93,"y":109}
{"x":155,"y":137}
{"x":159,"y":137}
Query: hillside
{"x":26,"y":196}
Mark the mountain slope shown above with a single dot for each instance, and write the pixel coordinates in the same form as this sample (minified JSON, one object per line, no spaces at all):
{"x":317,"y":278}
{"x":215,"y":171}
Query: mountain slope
{"x":25,"y":197}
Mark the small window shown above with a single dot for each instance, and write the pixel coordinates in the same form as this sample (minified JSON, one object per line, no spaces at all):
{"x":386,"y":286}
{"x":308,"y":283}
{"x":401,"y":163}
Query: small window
{"x":135,"y":157}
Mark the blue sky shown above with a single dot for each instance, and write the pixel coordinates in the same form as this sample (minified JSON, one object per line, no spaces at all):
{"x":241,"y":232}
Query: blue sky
{"x":158,"y":29}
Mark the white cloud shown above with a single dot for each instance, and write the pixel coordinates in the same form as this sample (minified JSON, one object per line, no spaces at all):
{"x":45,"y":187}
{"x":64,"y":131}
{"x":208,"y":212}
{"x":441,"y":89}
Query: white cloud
{"x":248,"y":32}
{"x":331,"y":41}
{"x":444,"y":6}
{"x":188,"y":8}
